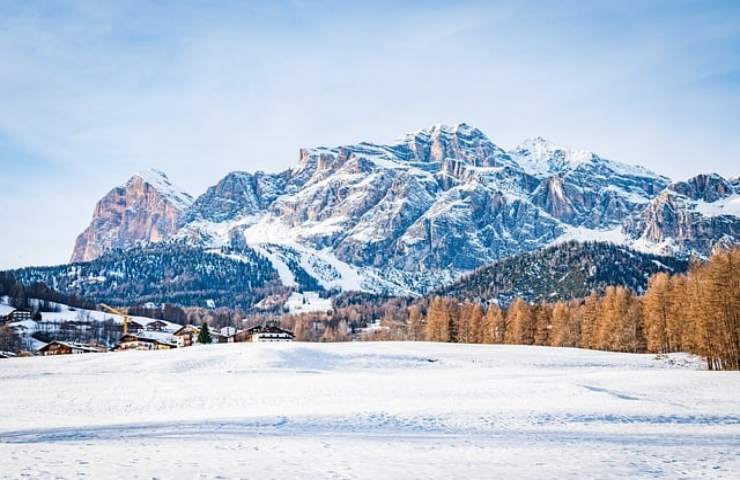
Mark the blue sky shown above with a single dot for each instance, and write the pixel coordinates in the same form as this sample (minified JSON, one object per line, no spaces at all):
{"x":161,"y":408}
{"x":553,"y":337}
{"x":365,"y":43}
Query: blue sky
{"x":91,"y":92}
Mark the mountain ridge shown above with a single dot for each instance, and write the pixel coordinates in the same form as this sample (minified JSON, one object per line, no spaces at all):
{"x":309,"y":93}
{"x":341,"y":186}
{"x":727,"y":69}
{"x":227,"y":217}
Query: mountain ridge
{"x":415,"y":214}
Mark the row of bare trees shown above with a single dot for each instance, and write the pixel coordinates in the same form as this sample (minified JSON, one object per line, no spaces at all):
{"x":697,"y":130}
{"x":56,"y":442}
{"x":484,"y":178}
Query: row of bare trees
{"x":697,"y":312}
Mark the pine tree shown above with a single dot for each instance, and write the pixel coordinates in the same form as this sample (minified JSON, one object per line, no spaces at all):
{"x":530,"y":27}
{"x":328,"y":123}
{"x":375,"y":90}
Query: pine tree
{"x":464,"y":325}
{"x":589,"y":313}
{"x":622,"y":327}
{"x":720,"y":281}
{"x":605,"y":329}
{"x":656,"y":309}
{"x":678,"y":324}
{"x":562,"y":334}
{"x":453,"y":320}
{"x":416,"y":324}
{"x":299,"y":330}
{"x":204,"y":336}
{"x":520,"y":329}
{"x":438,"y":321}
{"x":476,"y":321}
{"x":495,"y":325}
{"x":542,"y":319}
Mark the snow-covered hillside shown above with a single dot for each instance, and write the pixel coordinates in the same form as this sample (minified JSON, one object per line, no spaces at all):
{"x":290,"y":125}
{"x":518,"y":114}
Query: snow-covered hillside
{"x":367,"y":410}
{"x":307,"y":302}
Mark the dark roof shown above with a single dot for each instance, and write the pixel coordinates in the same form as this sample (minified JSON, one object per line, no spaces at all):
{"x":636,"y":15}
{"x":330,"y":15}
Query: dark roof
{"x":14,"y":311}
{"x":77,"y":346}
{"x":130,"y":337}
{"x":268,"y":329}
{"x":186,"y":328}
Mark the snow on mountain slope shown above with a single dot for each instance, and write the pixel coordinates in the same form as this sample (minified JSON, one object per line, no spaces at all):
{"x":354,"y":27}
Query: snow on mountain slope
{"x":424,"y":209}
{"x":542,"y":158}
{"x":615,"y":236}
{"x":368,"y":410}
{"x":307,"y":302}
{"x":172,"y":193}
{"x":726,"y":206}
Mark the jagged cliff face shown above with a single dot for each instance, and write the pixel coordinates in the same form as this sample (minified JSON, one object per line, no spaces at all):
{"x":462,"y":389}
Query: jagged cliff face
{"x":447,"y":198}
{"x":145,"y":209}
{"x":414,"y":214}
{"x":236,"y":195}
{"x":582,"y":189}
{"x":694,"y":216}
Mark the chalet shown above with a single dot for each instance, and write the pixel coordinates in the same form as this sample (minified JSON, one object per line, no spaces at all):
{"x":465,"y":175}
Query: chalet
{"x":242,"y":336}
{"x":227,"y":332}
{"x":143,"y":342}
{"x":227,"y":335}
{"x":23,"y":328}
{"x":56,"y":347}
{"x":269,"y":332}
{"x":156,"y":326}
{"x":74,"y":326}
{"x":134,"y":326}
{"x":186,"y":335}
{"x":16,"y":315}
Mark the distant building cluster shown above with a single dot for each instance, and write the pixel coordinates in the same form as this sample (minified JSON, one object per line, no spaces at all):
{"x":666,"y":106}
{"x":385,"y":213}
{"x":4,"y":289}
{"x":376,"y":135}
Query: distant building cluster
{"x":141,"y":336}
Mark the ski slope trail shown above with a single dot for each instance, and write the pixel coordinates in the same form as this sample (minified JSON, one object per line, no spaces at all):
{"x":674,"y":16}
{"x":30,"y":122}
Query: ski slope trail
{"x":367,"y":410}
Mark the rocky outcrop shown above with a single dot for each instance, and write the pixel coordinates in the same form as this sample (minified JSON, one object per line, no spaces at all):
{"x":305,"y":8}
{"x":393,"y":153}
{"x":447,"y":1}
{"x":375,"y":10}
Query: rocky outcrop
{"x":146,"y":209}
{"x":550,"y":195}
{"x":708,"y":188}
{"x":237,"y":195}
{"x":693,"y":216}
{"x":581,"y":188}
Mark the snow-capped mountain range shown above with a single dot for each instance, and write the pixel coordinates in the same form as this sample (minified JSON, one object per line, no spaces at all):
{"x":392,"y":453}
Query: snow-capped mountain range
{"x":418,"y":213}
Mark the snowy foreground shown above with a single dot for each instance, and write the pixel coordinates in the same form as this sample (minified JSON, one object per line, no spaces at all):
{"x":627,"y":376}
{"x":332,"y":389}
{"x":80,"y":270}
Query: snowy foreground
{"x":367,"y":410}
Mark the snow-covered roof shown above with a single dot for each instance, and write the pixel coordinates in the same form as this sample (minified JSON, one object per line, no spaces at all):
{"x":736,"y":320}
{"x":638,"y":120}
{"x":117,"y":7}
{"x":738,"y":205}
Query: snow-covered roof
{"x":164,"y":337}
{"x":5,"y":309}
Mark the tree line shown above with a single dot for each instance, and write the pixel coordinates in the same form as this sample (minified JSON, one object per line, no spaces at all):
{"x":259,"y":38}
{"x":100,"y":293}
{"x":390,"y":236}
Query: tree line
{"x":696,"y":312}
{"x":38,"y":297}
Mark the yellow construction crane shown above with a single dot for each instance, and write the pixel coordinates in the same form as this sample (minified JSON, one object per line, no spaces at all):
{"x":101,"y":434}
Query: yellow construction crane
{"x":110,"y":309}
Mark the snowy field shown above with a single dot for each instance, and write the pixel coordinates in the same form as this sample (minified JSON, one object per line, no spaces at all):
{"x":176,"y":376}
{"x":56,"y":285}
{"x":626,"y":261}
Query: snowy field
{"x":369,"y":411}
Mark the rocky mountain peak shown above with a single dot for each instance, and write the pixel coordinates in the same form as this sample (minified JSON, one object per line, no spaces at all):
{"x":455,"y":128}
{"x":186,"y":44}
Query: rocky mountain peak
{"x":708,"y":188}
{"x":459,"y":142}
{"x":159,"y":181}
{"x":145,"y":209}
{"x":542,"y":158}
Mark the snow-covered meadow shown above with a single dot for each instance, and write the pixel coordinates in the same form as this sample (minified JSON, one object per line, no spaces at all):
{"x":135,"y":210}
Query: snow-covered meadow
{"x":367,"y":410}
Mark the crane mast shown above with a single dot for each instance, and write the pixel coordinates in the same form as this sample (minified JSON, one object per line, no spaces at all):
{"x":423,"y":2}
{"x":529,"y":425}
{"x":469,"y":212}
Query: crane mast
{"x":116,"y":311}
